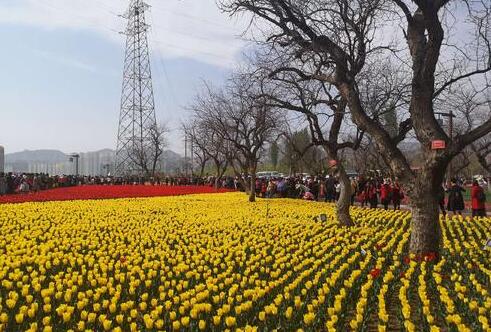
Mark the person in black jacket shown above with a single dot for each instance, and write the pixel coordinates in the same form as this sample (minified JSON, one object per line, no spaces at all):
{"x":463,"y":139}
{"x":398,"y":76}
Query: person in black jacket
{"x":455,"y":198}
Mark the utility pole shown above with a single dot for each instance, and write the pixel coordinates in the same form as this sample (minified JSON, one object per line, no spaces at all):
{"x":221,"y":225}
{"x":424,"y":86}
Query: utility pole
{"x":137,"y":115}
{"x":186,"y":154}
{"x":192,"y":156}
{"x":450,"y":116}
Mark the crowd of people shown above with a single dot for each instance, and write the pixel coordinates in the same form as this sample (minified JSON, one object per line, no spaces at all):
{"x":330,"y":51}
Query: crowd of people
{"x":369,"y":192}
{"x":22,"y":183}
{"x":12,"y":183}
{"x":366,"y":191}
{"x":455,"y":200}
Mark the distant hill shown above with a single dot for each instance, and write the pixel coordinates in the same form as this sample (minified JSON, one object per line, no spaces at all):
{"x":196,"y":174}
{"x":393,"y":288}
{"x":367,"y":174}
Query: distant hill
{"x":51,"y":156}
{"x":57,"y":162}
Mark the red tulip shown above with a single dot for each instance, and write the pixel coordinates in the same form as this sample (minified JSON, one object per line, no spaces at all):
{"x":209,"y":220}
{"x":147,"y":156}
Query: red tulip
{"x":375,"y":273}
{"x":430,"y":256}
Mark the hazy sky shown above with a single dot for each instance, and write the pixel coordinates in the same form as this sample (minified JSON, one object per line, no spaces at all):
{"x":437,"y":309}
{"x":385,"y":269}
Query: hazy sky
{"x":62,"y":62}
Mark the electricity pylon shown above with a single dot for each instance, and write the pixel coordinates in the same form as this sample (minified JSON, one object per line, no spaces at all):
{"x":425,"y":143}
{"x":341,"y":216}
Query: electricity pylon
{"x":137,"y":115}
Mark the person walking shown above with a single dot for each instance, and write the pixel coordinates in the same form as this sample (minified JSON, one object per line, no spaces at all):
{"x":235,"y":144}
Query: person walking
{"x":385,"y":194}
{"x":354,"y":189}
{"x":322,"y":191}
{"x":441,"y":200}
{"x":372,"y":195}
{"x":478,"y":200}
{"x":455,"y":202}
{"x":337,"y":187}
{"x":397,"y":195}
{"x":330,"y":189}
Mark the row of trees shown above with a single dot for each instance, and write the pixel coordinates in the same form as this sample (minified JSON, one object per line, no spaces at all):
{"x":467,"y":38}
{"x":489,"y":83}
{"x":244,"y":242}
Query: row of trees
{"x":231,"y":127}
{"x":380,"y":70}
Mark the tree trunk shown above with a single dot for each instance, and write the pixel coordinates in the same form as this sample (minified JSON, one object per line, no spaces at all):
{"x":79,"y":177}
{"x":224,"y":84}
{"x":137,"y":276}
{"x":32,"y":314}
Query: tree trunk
{"x":425,"y":226}
{"x":218,"y":173}
{"x":344,"y":202}
{"x":202,"y":169}
{"x":252,"y":193}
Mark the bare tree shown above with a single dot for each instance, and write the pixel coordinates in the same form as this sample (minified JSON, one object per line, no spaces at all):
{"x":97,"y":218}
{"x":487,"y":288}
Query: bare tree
{"x":274,"y":151}
{"x":325,"y":115}
{"x":208,"y":144}
{"x":191,"y":131}
{"x":295,"y":148}
{"x":353,"y":34}
{"x":147,"y":157}
{"x":482,"y":150}
{"x":243,"y":121}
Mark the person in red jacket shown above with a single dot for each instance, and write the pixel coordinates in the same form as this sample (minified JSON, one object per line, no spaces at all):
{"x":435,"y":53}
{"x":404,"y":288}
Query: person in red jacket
{"x":397,"y":195}
{"x":372,"y":194}
{"x":478,"y":200}
{"x":385,"y":194}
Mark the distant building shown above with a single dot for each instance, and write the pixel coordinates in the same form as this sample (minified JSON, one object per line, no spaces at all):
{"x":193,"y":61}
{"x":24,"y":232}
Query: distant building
{"x":96,"y":163}
{"x":56,"y":162}
{"x":2,"y":159}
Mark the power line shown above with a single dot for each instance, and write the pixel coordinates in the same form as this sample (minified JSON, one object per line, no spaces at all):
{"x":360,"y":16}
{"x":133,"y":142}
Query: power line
{"x":191,"y":17}
{"x":91,"y":22}
{"x":161,"y":62}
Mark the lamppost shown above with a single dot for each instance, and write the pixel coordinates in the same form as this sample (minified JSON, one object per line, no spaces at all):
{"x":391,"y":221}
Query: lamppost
{"x":450,"y":116}
{"x":74,"y":156}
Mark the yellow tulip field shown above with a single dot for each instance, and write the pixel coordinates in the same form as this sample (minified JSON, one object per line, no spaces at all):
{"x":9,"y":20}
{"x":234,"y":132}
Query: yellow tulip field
{"x":215,"y":262}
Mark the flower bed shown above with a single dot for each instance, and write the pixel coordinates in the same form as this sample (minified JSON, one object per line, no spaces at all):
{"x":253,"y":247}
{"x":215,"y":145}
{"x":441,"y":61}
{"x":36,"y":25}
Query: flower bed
{"x":215,"y":262}
{"x":106,"y":192}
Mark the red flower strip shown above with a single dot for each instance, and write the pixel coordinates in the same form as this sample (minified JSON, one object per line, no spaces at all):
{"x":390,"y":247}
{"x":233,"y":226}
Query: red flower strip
{"x":107,"y":192}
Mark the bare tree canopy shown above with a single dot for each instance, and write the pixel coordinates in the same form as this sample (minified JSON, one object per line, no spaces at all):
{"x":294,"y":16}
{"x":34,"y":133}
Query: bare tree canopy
{"x":208,"y":144}
{"x":146,"y":157}
{"x":242,"y":121}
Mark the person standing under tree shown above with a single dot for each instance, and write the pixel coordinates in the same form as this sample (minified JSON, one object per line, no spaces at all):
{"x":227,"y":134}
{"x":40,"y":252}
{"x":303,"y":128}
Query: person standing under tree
{"x":455,"y":198}
{"x":385,"y":194}
{"x":372,"y":194}
{"x":478,"y":199}
{"x":354,"y":189}
{"x":441,"y":200}
{"x":397,"y":195}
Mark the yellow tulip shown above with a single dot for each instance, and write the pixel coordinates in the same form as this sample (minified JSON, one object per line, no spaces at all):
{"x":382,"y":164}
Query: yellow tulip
{"x":19,"y":318}
{"x":289,"y":312}
{"x":107,"y":325}
{"x":91,"y":317}
{"x":66,"y":317}
{"x":185,"y":321}
{"x":230,"y":321}
{"x":308,"y":318}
